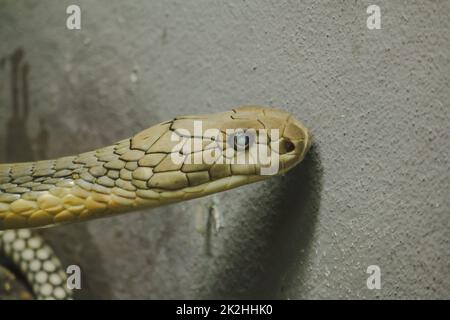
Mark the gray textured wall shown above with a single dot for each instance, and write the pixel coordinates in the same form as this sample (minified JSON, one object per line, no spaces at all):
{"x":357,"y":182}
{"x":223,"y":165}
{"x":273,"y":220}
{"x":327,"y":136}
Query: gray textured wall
{"x":373,"y":190}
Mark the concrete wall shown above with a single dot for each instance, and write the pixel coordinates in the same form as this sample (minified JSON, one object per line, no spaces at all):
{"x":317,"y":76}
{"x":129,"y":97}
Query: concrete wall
{"x":374,"y":189}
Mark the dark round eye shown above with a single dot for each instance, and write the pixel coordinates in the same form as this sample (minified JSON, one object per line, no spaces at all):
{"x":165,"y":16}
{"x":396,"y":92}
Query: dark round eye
{"x":241,"y":141}
{"x":288,"y":146}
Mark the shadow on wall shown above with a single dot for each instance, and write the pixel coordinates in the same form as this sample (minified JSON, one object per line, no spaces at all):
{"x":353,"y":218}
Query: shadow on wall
{"x":270,"y":256}
{"x":19,"y":146}
{"x":293,"y":227}
{"x":65,"y":240}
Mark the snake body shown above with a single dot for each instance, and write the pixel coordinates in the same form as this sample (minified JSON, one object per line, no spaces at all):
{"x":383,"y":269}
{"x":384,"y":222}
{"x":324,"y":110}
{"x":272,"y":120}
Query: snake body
{"x":36,"y":261}
{"x":139,"y":172}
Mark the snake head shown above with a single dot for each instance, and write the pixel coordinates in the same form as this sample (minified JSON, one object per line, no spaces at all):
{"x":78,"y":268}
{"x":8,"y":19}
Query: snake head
{"x":288,"y":139}
{"x":221,"y":151}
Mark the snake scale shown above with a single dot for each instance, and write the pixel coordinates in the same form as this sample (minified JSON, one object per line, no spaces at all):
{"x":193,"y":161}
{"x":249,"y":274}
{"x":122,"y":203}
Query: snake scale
{"x":36,"y":261}
{"x":139,"y":172}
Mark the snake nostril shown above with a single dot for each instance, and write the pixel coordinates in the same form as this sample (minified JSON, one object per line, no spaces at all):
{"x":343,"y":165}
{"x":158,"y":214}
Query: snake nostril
{"x":289,"y":146}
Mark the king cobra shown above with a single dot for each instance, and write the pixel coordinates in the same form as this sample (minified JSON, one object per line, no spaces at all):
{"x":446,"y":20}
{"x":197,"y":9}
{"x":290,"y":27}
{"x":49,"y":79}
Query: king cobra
{"x":140,"y":172}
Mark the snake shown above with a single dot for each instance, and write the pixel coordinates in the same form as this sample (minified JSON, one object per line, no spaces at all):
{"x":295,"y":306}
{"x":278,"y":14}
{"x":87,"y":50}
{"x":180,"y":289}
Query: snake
{"x":141,"y":172}
{"x":34,"y":259}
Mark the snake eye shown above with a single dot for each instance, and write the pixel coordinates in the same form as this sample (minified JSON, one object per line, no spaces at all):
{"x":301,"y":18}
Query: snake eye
{"x":241,"y":141}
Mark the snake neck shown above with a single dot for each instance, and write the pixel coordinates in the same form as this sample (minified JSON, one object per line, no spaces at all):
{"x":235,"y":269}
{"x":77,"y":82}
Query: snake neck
{"x":131,"y":174}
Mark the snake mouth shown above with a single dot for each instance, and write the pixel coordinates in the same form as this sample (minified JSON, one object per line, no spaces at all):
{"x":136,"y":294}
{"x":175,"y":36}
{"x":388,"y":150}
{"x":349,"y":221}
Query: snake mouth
{"x":296,"y":142}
